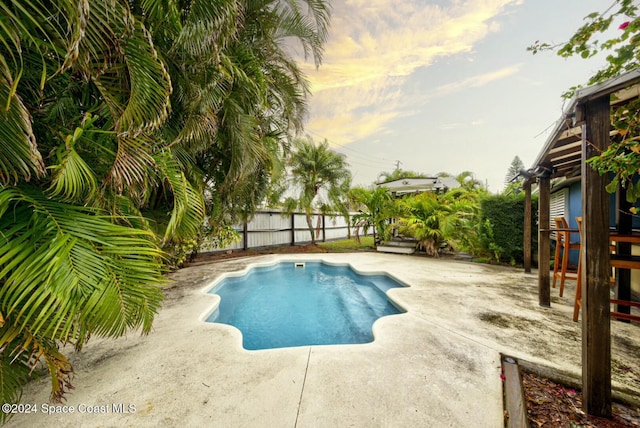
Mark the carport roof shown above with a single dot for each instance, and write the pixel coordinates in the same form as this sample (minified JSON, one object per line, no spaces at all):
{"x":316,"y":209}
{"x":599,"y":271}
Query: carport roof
{"x":419,"y":185}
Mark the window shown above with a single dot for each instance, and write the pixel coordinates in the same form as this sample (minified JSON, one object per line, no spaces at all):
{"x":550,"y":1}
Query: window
{"x":558,"y":207}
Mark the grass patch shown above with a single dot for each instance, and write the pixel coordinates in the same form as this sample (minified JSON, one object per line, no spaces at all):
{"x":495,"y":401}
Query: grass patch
{"x":348,"y":245}
{"x":486,"y":260}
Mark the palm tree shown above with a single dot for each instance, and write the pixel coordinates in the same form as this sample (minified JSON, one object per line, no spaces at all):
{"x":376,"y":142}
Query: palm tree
{"x":425,"y":219}
{"x":435,"y":219}
{"x":116,"y":116}
{"x":465,"y":228}
{"x":316,"y":169}
{"x":375,"y":208}
{"x":466,"y":179}
{"x":82,"y":93}
{"x":239,"y":96}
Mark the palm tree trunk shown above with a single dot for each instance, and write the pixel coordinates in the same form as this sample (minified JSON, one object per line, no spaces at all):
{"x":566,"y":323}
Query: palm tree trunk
{"x":307,"y":215}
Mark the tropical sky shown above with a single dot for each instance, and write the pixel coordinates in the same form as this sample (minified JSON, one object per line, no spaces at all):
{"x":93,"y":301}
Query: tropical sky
{"x":444,"y":86}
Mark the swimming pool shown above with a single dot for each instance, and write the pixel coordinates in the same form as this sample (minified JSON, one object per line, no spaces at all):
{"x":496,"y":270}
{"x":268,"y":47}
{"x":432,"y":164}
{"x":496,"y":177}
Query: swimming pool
{"x":296,"y":303}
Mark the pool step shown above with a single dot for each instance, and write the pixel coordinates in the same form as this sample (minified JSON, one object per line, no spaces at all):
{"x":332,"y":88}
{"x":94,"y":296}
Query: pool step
{"x":356,"y":318}
{"x":399,"y":246}
{"x":409,"y":243}
{"x":396,"y":249}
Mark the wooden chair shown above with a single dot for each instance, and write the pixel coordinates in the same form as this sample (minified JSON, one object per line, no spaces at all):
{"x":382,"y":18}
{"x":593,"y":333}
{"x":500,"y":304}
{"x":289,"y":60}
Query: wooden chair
{"x":578,"y":301}
{"x":561,"y":259}
{"x":629,"y":262}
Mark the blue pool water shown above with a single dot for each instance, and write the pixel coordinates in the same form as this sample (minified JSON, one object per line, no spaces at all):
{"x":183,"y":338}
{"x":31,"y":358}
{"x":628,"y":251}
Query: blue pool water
{"x":319,"y":304}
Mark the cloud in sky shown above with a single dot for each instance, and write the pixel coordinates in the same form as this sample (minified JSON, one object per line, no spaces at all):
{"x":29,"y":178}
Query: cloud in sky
{"x":376,"y":45}
{"x":454,"y":126}
{"x":477,"y":81}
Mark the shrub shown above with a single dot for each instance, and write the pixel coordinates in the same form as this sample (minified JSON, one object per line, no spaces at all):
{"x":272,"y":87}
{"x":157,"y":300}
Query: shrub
{"x":502,"y":226}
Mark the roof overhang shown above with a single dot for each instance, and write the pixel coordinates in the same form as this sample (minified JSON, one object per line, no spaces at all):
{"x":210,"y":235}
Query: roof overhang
{"x":561,"y":155}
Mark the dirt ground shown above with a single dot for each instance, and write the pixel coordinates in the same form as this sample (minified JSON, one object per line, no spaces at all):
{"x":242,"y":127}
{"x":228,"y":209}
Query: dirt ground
{"x":548,"y":404}
{"x":551,"y":405}
{"x":213,"y":257}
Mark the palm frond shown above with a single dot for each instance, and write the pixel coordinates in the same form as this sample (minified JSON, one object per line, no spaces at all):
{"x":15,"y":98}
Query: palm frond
{"x":50,"y":31}
{"x":19,"y":155}
{"x":309,"y":29}
{"x":73,"y":179}
{"x":148,"y":103}
{"x":132,"y":164}
{"x":209,"y":26}
{"x":20,"y":356}
{"x":188,"y":213}
{"x":13,"y":374}
{"x":163,"y":17}
{"x":68,"y":271}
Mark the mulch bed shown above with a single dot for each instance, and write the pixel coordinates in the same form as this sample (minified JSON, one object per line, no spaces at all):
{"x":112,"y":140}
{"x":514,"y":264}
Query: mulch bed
{"x":552,"y":405}
{"x":216,"y":256}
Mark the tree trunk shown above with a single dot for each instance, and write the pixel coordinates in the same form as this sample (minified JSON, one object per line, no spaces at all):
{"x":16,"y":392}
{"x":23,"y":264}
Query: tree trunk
{"x":310,"y":226}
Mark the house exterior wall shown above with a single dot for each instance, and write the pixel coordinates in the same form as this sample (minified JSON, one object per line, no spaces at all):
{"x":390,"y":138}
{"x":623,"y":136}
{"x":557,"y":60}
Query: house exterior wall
{"x":575,"y":206}
{"x":574,"y":209}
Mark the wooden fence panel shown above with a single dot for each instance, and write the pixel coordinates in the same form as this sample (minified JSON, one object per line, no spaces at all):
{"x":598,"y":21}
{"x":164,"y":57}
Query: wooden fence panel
{"x":336,"y":228}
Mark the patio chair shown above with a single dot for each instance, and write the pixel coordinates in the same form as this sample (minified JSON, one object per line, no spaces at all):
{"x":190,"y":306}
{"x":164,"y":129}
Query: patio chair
{"x":561,"y":259}
{"x":620,"y":263}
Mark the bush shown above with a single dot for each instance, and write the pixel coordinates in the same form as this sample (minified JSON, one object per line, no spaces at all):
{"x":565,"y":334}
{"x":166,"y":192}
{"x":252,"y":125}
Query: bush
{"x":502,"y":226}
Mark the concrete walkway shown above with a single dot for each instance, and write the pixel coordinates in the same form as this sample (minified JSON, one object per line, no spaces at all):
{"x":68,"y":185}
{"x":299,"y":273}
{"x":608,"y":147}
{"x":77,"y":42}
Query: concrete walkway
{"x":438,"y":365}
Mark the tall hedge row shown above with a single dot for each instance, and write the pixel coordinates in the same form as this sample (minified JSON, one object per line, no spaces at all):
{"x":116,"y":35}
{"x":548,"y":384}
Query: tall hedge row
{"x":502,"y":226}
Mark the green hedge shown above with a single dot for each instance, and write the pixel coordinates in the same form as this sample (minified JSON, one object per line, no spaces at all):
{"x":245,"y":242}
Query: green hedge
{"x":502,"y":226}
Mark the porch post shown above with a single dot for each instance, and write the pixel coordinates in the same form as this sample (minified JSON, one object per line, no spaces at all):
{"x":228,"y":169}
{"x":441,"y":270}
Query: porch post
{"x":245,"y":234}
{"x":544,"y":241}
{"x":527,"y":226}
{"x":596,"y":316}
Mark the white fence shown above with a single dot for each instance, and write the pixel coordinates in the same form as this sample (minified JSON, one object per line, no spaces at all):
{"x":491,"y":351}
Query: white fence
{"x":274,"y":228}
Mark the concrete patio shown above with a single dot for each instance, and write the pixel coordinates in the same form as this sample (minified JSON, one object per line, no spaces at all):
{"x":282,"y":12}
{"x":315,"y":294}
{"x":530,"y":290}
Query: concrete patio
{"x":438,"y":365}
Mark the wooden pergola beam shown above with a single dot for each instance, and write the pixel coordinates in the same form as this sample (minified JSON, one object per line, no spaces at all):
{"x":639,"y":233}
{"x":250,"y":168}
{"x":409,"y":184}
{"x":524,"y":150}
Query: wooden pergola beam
{"x":590,"y":109}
